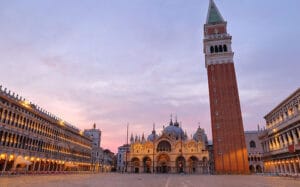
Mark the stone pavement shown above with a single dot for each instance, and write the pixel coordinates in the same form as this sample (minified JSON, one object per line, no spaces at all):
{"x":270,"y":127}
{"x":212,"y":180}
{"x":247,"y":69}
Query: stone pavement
{"x":147,"y":180}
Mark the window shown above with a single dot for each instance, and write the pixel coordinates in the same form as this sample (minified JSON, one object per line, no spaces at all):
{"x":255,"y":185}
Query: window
{"x":216,"y":49}
{"x":212,"y":49}
{"x":164,"y":146}
{"x":220,"y":48}
{"x":252,"y":144}
{"x":224,"y":48}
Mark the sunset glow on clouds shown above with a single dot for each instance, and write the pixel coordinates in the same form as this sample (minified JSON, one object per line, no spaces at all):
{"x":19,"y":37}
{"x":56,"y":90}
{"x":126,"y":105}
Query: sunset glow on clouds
{"x":139,"y":61}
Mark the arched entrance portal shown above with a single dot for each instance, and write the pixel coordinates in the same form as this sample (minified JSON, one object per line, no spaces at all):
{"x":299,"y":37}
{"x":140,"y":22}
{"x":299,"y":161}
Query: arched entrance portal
{"x":2,"y":161}
{"x":180,"y":164}
{"x":258,"y":169}
{"x":252,"y":169}
{"x":135,"y":165}
{"x":193,"y":164}
{"x":147,"y":165}
{"x":163,"y":163}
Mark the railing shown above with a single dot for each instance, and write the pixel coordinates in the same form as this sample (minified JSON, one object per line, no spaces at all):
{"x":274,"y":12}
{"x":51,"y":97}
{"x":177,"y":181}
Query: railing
{"x":284,"y":124}
{"x":275,"y":152}
{"x":216,"y":36}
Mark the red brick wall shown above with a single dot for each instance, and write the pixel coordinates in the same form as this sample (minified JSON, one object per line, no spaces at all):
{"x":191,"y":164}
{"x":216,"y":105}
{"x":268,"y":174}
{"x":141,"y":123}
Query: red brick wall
{"x":210,"y":29}
{"x":227,"y":124}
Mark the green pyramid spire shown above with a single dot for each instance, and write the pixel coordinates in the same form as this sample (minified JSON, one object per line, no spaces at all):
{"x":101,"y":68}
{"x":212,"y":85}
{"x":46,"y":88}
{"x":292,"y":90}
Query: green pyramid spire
{"x":213,"y":15}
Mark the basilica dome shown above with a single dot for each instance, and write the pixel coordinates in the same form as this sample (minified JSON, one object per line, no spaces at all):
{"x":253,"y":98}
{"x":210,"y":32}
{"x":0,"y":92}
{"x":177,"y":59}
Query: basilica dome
{"x":174,"y":130}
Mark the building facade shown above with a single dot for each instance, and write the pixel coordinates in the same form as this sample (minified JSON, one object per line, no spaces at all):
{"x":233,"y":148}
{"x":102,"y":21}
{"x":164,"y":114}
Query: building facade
{"x":109,"y":161}
{"x":97,"y":152}
{"x":280,"y":140}
{"x":230,"y":153}
{"x":121,"y":157}
{"x":255,"y":151}
{"x":33,"y":140}
{"x":170,"y":152}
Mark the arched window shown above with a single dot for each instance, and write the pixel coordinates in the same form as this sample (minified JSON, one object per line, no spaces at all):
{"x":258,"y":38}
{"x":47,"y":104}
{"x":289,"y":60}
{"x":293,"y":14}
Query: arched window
{"x":212,"y":49}
{"x":220,"y":48}
{"x":224,"y":48}
{"x":252,"y":144}
{"x":164,"y":146}
{"x":216,"y":49}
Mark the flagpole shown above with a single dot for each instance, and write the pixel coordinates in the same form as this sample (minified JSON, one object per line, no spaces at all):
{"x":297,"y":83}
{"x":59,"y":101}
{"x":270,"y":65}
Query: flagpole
{"x":126,"y":147}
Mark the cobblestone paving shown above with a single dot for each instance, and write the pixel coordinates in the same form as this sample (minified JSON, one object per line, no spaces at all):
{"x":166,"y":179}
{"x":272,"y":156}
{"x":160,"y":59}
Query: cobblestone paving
{"x":147,"y":180}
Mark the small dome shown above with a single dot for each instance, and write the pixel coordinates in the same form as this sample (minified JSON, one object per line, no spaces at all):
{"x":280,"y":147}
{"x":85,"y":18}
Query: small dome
{"x":152,"y":136}
{"x":200,"y":135}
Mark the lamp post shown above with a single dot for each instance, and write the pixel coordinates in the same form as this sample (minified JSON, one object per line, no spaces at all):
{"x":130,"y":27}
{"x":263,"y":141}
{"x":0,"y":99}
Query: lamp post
{"x":126,"y":162}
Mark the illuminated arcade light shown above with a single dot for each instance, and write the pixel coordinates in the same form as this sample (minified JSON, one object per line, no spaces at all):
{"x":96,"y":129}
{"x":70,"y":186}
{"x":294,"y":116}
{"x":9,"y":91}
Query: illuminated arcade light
{"x":25,"y":104}
{"x":61,"y":122}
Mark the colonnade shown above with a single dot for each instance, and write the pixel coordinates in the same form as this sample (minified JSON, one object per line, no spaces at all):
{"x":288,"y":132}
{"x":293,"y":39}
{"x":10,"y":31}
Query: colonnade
{"x":191,"y":165}
{"x":282,"y":140}
{"x":283,"y":166}
{"x":14,"y":163}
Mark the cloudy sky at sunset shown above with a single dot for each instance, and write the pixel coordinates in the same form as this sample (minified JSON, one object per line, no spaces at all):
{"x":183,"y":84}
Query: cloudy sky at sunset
{"x":115,"y":62}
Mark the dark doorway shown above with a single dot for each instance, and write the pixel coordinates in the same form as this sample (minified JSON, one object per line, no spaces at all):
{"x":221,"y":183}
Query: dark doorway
{"x":136,"y":170}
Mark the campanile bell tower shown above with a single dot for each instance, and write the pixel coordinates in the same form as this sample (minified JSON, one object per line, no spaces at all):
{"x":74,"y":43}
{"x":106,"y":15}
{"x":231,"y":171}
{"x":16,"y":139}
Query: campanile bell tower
{"x":230,"y":151}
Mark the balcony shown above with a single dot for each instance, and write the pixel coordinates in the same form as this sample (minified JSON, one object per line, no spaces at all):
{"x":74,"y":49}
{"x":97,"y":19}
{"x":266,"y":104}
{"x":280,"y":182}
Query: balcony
{"x":284,"y":124}
{"x":282,"y":150}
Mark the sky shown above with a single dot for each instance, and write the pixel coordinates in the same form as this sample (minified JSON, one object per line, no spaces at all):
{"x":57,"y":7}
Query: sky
{"x":136,"y":62}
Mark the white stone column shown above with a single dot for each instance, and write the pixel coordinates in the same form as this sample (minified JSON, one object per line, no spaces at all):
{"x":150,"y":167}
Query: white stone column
{"x":271,"y":144}
{"x":277,"y":143}
{"x":268,"y":145}
{"x":274,"y":145}
{"x":286,"y":143}
{"x":281,"y":144}
{"x":39,"y":168}
{"x":290,"y":138}
{"x":295,"y":167}
{"x":280,"y":168}
{"x":294,"y":136}
{"x":27,"y":166}
{"x":285,"y":168}
{"x":290,"y":167}
{"x":298,"y":130}
{"x":5,"y":164}
{"x":33,"y":166}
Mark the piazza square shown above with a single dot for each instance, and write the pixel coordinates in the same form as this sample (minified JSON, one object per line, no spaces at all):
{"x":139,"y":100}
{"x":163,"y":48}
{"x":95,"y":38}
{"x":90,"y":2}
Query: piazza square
{"x":149,"y":93}
{"x":148,"y":180}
